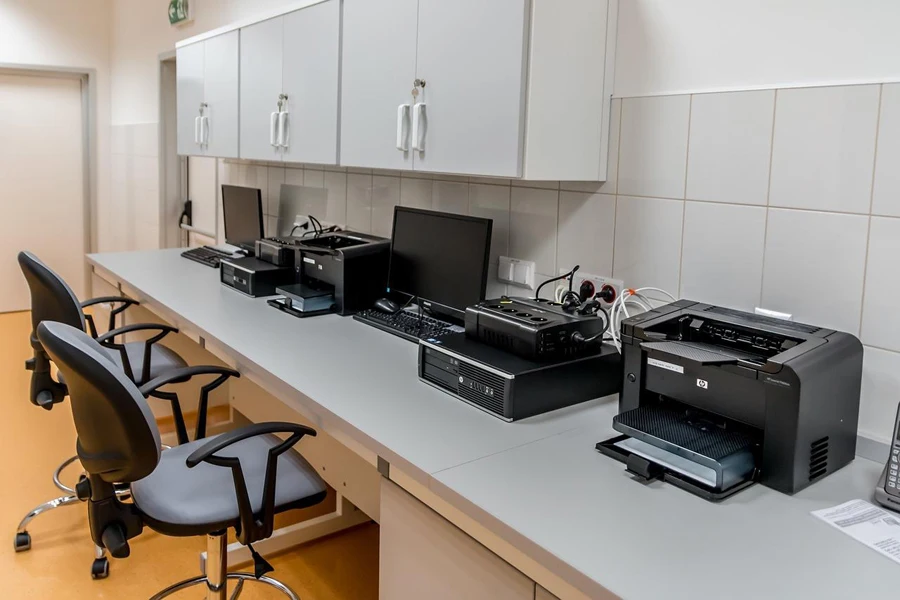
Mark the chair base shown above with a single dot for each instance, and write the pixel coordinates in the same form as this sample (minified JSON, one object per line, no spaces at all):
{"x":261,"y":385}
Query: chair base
{"x":22,"y":541}
{"x":236,"y":592}
{"x":217,"y":576}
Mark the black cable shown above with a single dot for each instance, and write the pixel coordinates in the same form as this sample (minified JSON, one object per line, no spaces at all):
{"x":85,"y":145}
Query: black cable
{"x":570,"y":274}
{"x":296,"y":227}
{"x":317,"y":225}
{"x":580,"y":340}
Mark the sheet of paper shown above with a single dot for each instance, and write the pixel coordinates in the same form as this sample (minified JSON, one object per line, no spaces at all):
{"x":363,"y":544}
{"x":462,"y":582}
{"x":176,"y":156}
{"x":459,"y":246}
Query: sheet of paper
{"x":866,"y":523}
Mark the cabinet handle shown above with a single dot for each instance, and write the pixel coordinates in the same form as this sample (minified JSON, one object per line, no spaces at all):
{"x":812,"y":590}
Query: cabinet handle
{"x":204,"y":130}
{"x":284,"y":132}
{"x":273,"y":129}
{"x":196,"y":130}
{"x":418,"y":127}
{"x":403,"y":127}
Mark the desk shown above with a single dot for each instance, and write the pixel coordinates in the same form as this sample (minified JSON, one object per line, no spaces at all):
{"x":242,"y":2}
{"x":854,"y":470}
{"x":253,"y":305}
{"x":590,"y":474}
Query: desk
{"x":533,"y":492}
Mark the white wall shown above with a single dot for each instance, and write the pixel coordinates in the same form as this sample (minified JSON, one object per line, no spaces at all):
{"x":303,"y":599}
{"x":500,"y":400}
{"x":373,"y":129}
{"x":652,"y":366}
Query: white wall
{"x":141,"y":32}
{"x":66,"y":34}
{"x":679,"y":46}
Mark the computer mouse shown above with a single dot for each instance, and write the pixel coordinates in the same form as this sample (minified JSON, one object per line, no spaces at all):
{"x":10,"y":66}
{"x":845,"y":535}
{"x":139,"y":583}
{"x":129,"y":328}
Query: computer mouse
{"x":387,"y":306}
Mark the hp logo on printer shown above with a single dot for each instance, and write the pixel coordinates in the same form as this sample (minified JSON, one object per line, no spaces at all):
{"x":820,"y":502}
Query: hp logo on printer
{"x":702,"y":383}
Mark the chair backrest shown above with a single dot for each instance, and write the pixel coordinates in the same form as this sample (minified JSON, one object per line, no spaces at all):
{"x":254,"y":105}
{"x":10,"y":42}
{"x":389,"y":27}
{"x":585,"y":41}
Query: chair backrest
{"x":51,"y":298}
{"x":117,"y":435}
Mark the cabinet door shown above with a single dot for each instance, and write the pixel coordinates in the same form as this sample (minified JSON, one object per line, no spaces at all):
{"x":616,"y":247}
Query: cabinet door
{"x":189,"y":96}
{"x":312,"y":38}
{"x":378,"y":69}
{"x":221,"y":95}
{"x":471,"y":54}
{"x":261,"y":67}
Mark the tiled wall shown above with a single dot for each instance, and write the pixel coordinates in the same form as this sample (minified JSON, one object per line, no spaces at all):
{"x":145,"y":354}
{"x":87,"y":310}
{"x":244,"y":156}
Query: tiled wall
{"x":787,"y":199}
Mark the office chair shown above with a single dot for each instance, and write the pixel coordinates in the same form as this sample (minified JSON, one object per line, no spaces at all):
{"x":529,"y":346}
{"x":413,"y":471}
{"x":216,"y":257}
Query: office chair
{"x":53,"y":300}
{"x":239,"y":479}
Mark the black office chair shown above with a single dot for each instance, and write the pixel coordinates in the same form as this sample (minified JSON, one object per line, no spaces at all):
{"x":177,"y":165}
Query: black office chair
{"x":239,"y":479}
{"x":53,"y":300}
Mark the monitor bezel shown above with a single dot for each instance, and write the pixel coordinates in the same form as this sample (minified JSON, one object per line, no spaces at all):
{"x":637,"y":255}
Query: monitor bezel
{"x":251,"y":246}
{"x":430,"y":304}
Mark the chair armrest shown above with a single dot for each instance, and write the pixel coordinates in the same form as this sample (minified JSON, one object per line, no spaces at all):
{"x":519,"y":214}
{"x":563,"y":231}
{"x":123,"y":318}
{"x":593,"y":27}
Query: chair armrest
{"x":125,"y":303}
{"x":185,"y":373}
{"x":253,"y":527}
{"x":108,"y":340}
{"x":209,"y":449}
{"x":109,"y":300}
{"x":151,"y":388}
{"x":107,"y":337}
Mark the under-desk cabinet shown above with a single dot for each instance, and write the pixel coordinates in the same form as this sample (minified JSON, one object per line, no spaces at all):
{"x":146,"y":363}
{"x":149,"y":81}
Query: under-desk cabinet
{"x":289,"y":86}
{"x":422,"y":555}
{"x":207,"y":97}
{"x":506,"y":88}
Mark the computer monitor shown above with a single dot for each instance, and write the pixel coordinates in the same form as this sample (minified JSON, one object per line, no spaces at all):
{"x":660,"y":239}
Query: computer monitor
{"x":440,"y":258}
{"x":243,"y":216}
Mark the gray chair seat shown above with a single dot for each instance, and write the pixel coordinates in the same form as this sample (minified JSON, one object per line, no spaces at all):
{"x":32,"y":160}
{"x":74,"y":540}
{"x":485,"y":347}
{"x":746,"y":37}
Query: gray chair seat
{"x":162,"y":359}
{"x":179,"y":501}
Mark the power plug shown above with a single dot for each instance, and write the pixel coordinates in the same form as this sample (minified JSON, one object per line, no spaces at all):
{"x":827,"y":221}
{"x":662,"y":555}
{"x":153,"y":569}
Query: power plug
{"x":588,"y":286}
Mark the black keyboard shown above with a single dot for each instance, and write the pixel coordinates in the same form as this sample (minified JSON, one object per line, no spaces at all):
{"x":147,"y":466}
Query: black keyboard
{"x":205,"y":256}
{"x":406,"y":324}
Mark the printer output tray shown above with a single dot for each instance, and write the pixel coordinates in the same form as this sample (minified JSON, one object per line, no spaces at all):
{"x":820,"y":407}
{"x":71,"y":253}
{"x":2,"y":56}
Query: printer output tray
{"x":684,"y":448}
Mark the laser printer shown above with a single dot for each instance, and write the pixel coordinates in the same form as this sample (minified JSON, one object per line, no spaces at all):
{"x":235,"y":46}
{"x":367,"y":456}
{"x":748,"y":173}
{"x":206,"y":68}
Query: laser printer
{"x":715,"y":399}
{"x":349,"y":268}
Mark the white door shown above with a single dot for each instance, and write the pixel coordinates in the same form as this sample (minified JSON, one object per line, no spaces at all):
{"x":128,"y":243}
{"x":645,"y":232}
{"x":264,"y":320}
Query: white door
{"x":189,"y":81}
{"x":472,"y":57}
{"x":312,"y":39}
{"x":221,"y":95}
{"x":42,"y":182}
{"x":378,"y":69}
{"x":261,"y":68}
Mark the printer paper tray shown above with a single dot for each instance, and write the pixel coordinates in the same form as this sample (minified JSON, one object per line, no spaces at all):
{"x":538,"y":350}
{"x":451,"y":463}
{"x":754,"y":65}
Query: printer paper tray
{"x":647,"y":470}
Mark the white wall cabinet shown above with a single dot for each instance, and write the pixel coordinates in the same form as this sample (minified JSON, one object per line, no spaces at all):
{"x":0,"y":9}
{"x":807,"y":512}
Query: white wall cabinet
{"x":289,"y":86}
{"x":207,"y":96}
{"x":378,"y":70}
{"x":508,"y":88}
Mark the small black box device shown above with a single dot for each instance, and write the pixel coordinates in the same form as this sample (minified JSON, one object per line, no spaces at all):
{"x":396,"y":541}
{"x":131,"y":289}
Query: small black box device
{"x":278,"y":251}
{"x":254,"y":277}
{"x":533,"y":328}
{"x":511,"y":387}
{"x":351,"y":266}
{"x":714,"y":399}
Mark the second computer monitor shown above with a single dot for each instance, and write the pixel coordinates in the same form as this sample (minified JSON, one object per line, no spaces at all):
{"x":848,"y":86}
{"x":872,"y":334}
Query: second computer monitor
{"x":440,"y":258}
{"x":243,"y":216}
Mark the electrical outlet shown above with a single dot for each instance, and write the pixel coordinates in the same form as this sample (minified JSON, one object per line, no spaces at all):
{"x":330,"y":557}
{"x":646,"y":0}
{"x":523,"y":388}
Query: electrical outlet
{"x":517,"y":272}
{"x":601,"y":285}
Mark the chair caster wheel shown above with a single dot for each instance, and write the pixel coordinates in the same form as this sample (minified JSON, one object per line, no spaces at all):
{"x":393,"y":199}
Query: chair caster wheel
{"x":22,"y":542}
{"x":100,"y":568}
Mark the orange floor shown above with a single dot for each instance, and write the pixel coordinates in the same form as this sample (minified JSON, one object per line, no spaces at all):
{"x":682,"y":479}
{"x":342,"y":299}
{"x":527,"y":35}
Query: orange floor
{"x":33,"y":442}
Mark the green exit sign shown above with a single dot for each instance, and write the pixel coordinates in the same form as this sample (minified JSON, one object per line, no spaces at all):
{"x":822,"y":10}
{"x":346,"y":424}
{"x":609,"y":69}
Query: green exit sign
{"x":179,"y":12}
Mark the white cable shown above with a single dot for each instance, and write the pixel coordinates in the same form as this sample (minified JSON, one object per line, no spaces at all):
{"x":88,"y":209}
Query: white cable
{"x":636,"y":298}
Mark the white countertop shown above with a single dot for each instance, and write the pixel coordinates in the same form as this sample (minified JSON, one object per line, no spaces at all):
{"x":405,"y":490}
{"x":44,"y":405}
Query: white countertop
{"x":538,"y":483}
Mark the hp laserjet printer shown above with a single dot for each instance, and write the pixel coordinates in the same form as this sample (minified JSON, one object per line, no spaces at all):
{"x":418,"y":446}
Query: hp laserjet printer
{"x":715,"y":399}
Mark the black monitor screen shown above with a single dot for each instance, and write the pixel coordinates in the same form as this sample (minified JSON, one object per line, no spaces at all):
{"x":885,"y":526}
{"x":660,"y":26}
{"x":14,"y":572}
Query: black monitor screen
{"x":243,"y":216}
{"x":441,"y":258}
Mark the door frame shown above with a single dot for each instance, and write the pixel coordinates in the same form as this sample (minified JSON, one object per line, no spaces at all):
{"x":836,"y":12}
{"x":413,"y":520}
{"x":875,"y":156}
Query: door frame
{"x":88,"y":78}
